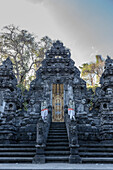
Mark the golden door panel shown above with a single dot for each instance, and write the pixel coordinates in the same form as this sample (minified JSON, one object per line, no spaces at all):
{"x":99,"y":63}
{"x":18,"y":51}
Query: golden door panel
{"x":58,"y":103}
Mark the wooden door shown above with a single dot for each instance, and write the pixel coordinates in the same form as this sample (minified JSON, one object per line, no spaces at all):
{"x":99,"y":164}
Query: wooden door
{"x":58,"y":103}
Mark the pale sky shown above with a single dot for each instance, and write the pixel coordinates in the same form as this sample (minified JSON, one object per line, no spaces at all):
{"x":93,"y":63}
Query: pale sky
{"x":84,"y":26}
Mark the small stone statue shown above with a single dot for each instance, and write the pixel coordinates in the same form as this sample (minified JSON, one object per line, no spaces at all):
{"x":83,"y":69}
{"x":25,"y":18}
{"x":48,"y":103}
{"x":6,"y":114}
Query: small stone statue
{"x":109,"y":91}
{"x":2,"y":103}
{"x":2,"y":107}
{"x":44,"y":110}
{"x":81,"y":107}
{"x":70,"y":91}
{"x":71,"y":109}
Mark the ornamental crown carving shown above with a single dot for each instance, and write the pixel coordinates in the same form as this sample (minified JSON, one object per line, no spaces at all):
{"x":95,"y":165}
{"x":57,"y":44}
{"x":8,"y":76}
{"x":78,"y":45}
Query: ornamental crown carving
{"x":8,"y":64}
{"x":58,"y":50}
{"x":108,"y":62}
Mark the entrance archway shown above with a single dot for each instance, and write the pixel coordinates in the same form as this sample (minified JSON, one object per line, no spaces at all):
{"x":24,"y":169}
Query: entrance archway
{"x":57,"y":103}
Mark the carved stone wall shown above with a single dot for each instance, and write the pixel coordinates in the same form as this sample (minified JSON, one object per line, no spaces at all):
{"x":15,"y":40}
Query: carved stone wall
{"x":10,"y":101}
{"x":19,"y":126}
{"x":103,"y":102}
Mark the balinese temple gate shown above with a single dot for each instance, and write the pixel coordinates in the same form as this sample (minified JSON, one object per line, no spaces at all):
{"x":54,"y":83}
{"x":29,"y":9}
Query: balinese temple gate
{"x":63,"y":120}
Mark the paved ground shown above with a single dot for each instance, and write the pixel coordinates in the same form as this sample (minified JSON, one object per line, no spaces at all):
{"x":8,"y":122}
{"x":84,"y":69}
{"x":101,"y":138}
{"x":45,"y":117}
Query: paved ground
{"x":53,"y":166}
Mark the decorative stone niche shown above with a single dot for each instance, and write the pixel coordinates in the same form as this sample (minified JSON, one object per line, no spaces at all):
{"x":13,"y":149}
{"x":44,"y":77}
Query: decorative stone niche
{"x":105,"y":106}
{"x":11,"y":106}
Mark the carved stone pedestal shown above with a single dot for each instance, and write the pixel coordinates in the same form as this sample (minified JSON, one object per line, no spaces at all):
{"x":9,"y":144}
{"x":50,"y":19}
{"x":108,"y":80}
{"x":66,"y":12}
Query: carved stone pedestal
{"x":74,"y":156}
{"x":39,"y":157}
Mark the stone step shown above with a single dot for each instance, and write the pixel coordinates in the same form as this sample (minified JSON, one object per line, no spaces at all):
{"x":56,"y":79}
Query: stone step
{"x":97,"y":160}
{"x":57,"y":137}
{"x":83,"y":149}
{"x":16,"y":159}
{"x":57,"y":140}
{"x":17,"y":145}
{"x":57,"y":144}
{"x":6,"y":132}
{"x":17,"y":149}
{"x":57,"y":152}
{"x":97,"y":145}
{"x":17,"y":154}
{"x":59,"y":134}
{"x":58,"y":123}
{"x":57,"y":148}
{"x":95,"y":154}
{"x":59,"y":159}
{"x":58,"y":128}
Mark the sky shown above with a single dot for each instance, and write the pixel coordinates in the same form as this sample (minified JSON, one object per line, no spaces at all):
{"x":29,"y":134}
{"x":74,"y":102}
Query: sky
{"x":84,"y":26}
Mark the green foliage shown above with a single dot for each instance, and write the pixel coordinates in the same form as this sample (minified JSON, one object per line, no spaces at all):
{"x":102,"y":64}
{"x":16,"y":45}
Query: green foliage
{"x":93,"y":87}
{"x":22,"y":87}
{"x":25,"y":51}
{"x":91,"y":105}
{"x":25,"y":106}
{"x":91,"y":72}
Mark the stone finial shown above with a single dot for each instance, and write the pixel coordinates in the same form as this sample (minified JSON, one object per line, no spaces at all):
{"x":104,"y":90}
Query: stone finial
{"x":58,"y":51}
{"x":8,"y":64}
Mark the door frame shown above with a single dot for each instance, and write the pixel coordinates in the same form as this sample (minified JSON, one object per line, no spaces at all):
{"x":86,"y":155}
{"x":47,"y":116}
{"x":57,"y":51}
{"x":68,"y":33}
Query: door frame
{"x":57,"y":102}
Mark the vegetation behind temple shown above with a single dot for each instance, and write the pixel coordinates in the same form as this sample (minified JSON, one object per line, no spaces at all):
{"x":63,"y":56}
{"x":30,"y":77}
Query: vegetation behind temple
{"x":91,"y":72}
{"x":27,"y":52}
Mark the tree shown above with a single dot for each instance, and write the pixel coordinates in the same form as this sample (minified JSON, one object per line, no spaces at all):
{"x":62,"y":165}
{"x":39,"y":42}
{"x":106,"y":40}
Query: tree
{"x":24,"y":50}
{"x":99,"y":67}
{"x":87,"y":73}
{"x":92,"y":72}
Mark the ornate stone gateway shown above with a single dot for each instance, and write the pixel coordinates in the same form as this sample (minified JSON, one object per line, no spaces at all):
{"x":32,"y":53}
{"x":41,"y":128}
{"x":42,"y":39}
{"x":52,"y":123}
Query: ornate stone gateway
{"x":58,"y":103}
{"x":58,"y":92}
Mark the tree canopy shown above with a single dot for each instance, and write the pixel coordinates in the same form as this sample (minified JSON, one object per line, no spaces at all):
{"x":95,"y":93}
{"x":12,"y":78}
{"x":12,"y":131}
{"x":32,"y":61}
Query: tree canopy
{"x":91,"y":72}
{"x":25,"y":51}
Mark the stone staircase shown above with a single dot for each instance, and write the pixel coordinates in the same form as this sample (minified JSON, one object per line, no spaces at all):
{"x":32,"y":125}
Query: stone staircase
{"x":96,"y":153}
{"x":17,"y":153}
{"x":57,"y":148}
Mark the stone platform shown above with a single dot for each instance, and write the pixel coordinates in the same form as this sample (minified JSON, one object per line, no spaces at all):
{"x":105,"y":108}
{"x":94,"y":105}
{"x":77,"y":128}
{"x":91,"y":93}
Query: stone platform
{"x":61,"y":166}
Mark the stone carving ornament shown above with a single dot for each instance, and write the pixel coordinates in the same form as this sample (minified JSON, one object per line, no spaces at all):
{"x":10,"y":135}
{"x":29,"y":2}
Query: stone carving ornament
{"x":81,"y":107}
{"x":71,"y":109}
{"x":44,"y":110}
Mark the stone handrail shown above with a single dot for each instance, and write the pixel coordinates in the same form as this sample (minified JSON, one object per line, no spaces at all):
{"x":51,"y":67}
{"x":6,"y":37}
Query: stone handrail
{"x":42,"y":134}
{"x":71,"y":126}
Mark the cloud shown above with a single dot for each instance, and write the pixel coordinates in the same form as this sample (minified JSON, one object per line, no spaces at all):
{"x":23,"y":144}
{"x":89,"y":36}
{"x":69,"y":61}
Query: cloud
{"x":41,"y":2}
{"x":36,"y":1}
{"x":82,"y":22}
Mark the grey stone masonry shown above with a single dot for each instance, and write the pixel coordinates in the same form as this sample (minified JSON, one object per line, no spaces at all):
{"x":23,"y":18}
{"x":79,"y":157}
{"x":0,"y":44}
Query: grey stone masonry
{"x":92,"y":125}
